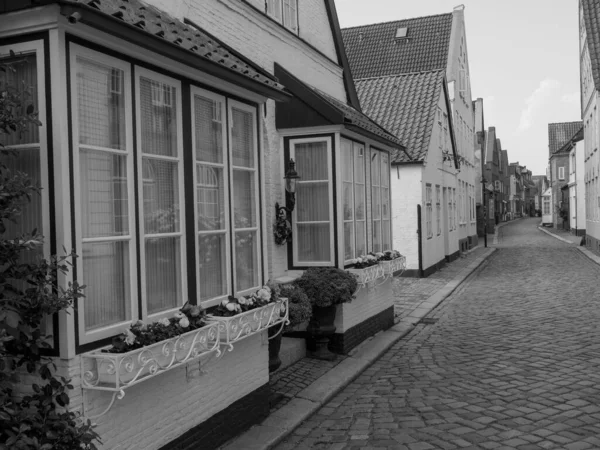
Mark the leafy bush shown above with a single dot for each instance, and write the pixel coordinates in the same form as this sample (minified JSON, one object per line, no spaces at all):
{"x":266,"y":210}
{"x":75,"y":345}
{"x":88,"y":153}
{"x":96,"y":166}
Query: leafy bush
{"x":326,"y":286}
{"x":299,"y":305}
{"x":29,"y":293}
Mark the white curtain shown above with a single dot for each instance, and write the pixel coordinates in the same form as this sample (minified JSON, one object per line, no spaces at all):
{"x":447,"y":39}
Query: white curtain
{"x":105,"y":222}
{"x":386,"y":234}
{"x":313,"y":215}
{"x":210,"y":190}
{"x":376,"y":199}
{"x":160,"y":181}
{"x":348,"y":198}
{"x":245,"y":194}
{"x":359,"y":199}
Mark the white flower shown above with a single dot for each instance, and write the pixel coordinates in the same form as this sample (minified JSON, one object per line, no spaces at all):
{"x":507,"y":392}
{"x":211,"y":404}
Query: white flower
{"x":231,"y":306}
{"x":184,"y":322}
{"x":179,"y":315}
{"x":129,"y":337}
{"x":224,"y":302}
{"x":164,"y":321}
{"x":238,"y":308}
{"x":242,"y":301}
{"x":263,"y":294}
{"x":379,"y":254}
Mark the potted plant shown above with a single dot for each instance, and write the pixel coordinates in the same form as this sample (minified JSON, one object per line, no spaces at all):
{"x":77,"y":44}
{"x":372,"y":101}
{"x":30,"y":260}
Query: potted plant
{"x":325,"y":287}
{"x":145,"y":350}
{"x":299,"y":308}
{"x":366,"y":268}
{"x":241,"y":317}
{"x":392,"y":261}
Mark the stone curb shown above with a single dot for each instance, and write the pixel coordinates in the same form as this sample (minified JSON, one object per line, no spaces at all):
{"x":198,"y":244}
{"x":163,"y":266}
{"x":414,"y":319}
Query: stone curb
{"x":555,"y":236}
{"x":285,"y":420}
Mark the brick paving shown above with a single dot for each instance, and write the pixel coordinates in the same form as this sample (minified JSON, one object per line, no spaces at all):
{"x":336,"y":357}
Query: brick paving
{"x":511,"y":363}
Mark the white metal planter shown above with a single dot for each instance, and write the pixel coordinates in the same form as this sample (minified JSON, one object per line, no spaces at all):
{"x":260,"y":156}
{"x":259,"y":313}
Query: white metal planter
{"x":393,"y":266}
{"x":117,"y":371}
{"x":240,"y":326}
{"x":368,"y":274}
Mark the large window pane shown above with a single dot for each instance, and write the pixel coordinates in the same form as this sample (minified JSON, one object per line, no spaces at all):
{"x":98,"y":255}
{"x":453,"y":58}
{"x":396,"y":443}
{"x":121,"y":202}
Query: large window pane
{"x":208,"y":128}
{"x":314,"y":242}
{"x":242,"y":137}
{"x":21,"y":81}
{"x":104,"y":197}
{"x":160,"y":183}
{"x":244,"y":202}
{"x":106,"y":277}
{"x":246,"y":260}
{"x":348,"y":240}
{"x":163,"y":273}
{"x":212,"y":264}
{"x":361,"y":233}
{"x":158,"y":117}
{"x":101,"y":105}
{"x":210,"y":197}
{"x":312,"y":201}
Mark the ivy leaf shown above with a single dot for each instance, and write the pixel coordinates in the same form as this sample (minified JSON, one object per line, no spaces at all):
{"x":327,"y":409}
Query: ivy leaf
{"x":30,"y":109}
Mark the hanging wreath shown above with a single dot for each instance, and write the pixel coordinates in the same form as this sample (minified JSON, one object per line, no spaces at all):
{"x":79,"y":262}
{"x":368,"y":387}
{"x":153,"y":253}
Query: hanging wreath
{"x":282,"y":229}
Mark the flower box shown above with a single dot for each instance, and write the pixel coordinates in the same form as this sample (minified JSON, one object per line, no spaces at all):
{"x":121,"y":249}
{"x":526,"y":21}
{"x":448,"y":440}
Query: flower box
{"x":368,"y":274}
{"x":116,"y":371}
{"x":240,"y":326}
{"x":390,"y":267}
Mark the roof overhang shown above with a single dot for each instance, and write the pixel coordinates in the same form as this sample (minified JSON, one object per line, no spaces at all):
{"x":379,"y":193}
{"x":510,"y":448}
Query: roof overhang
{"x":130,"y":33}
{"x":310,"y":109}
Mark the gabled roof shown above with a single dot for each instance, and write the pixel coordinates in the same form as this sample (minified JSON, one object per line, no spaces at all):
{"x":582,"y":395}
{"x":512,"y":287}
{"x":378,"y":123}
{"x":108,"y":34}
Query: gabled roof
{"x":154,"y":29}
{"x":561,"y":133}
{"x":591,"y":16}
{"x":406,"y":106}
{"x":311,"y":107}
{"x":374,"y":51}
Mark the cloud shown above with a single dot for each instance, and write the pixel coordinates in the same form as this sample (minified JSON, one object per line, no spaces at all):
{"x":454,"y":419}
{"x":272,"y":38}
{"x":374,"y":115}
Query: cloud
{"x":534,"y":104}
{"x":571,"y":98}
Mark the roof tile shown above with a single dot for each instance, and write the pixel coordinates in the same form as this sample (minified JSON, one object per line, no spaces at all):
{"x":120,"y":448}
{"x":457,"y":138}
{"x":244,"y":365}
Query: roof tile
{"x":591,"y":12}
{"x":561,"y":133}
{"x":374,"y":51}
{"x":406,"y":106}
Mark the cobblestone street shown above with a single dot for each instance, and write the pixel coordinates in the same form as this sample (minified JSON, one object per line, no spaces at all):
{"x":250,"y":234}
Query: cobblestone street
{"x":509,"y":361}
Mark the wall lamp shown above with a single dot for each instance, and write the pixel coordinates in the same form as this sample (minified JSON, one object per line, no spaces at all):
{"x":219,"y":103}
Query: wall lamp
{"x":291,"y":177}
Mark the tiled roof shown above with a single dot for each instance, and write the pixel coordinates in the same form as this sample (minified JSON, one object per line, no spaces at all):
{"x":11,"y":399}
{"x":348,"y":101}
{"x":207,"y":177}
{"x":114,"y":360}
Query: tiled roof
{"x":591,"y":15}
{"x":406,"y":106}
{"x":155,"y":22}
{"x":354,"y":117}
{"x":374,"y":51}
{"x":561,"y":133}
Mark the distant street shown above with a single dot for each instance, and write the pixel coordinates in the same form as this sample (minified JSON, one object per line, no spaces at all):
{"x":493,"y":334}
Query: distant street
{"x":512,"y":363}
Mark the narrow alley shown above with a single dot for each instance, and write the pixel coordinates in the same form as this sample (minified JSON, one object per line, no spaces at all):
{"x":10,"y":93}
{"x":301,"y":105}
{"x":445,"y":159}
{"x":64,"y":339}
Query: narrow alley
{"x":508,"y":361}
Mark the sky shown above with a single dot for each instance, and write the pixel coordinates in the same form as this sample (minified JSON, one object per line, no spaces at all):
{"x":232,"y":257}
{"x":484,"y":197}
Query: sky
{"x":523,"y":60}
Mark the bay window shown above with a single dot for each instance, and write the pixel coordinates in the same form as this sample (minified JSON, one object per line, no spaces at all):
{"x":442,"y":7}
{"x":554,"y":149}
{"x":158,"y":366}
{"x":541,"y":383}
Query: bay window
{"x":313,"y":242}
{"x":353,"y":192}
{"x":438,"y":210}
{"x":380,"y":200}
{"x":130,"y":195}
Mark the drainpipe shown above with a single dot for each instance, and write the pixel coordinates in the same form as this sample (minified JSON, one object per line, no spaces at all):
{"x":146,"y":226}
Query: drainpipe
{"x":420,"y":241}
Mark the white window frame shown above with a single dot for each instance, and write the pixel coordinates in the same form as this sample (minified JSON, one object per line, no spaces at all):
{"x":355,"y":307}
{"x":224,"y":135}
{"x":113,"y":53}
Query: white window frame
{"x":331,"y":261}
{"x":115,"y":328}
{"x":428,"y":211}
{"x":354,"y":145}
{"x":181,"y":234}
{"x":226,"y":181}
{"x":231,"y":104}
{"x":26,"y":49}
{"x":561,"y":173}
{"x":36,"y":47}
{"x":280,"y":10}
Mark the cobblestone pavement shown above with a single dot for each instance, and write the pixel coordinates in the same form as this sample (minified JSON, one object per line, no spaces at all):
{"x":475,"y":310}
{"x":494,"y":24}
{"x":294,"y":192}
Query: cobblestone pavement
{"x":511,"y":363}
{"x":409,"y":293}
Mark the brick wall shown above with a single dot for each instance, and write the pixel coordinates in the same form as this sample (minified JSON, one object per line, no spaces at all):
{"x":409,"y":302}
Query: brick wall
{"x":157,"y":411}
{"x":369,"y":302}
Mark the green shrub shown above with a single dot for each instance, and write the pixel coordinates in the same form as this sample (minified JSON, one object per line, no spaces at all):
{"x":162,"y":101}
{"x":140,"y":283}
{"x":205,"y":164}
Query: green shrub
{"x":299,"y":305}
{"x":326,"y":286}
